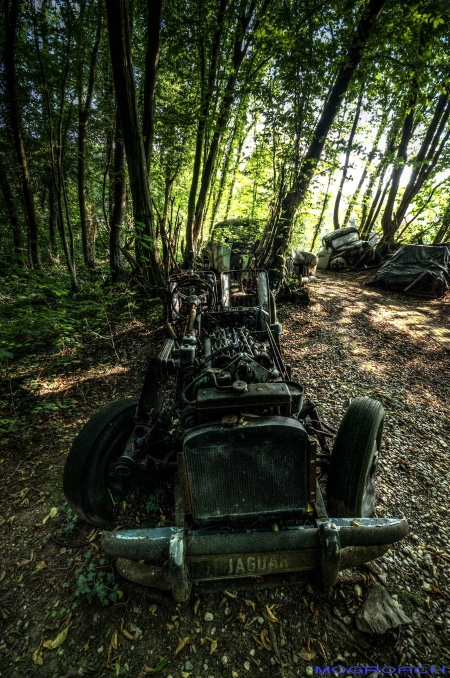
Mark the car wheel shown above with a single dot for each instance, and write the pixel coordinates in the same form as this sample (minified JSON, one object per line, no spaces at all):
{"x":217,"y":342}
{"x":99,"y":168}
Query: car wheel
{"x":86,"y":483}
{"x":354,"y":461}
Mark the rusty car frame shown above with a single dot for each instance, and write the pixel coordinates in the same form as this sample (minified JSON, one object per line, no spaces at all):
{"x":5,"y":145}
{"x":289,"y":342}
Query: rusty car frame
{"x":257,"y":488}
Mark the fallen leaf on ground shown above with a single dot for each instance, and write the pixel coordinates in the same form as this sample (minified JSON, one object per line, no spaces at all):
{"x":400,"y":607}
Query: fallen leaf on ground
{"x":265,"y":640}
{"x":2,"y":576}
{"x":230,"y":595}
{"x":127,"y":634}
{"x":93,"y":535}
{"x":21,"y":563}
{"x":37,"y":656}
{"x":271,"y":616}
{"x":60,"y":638}
{"x":115,"y":640}
{"x":257,"y":639}
{"x":147,"y":670}
{"x":223,"y":602}
{"x":250,"y":603}
{"x":307,"y":656}
{"x":50,"y":515}
{"x":320,"y":650}
{"x":41,"y":565}
{"x":240,"y":618}
{"x":187,"y":640}
{"x":196,"y":605}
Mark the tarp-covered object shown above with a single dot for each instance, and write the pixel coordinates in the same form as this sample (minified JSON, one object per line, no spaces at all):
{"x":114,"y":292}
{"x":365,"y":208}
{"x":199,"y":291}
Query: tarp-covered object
{"x":421,"y":270}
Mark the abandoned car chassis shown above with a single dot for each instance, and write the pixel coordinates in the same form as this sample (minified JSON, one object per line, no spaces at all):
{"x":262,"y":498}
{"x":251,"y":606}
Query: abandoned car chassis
{"x":220,"y":411}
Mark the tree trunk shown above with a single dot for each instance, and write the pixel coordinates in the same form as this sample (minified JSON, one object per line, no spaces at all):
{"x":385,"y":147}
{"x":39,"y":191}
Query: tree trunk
{"x":388,"y":221}
{"x":166,"y":250}
{"x":10,"y":203}
{"x":154,"y":11}
{"x":369,"y":161}
{"x":347,"y":161}
{"x":57,"y":158}
{"x":444,"y":228}
{"x":10,"y":13}
{"x":84,"y":111}
{"x":241,"y":46}
{"x":120,"y":197}
{"x":296,"y":195}
{"x":427,"y":156}
{"x":119,"y":30}
{"x":207,"y":89}
{"x":325,"y":202}
{"x":377,"y":175}
{"x":233,"y":175}
{"x":52,"y":219}
{"x":227,"y":156}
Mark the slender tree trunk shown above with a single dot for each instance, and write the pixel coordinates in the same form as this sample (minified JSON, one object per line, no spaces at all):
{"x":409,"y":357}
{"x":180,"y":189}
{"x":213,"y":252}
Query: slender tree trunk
{"x":444,"y":228}
{"x":369,"y":161}
{"x":347,"y":161}
{"x":10,"y":14}
{"x":84,"y":111}
{"x":207,"y":90}
{"x":427,"y":156}
{"x":297,"y":193}
{"x":56,"y":156}
{"x":376,"y":208}
{"x":388,"y":221}
{"x":165,"y":236}
{"x":233,"y":176}
{"x":225,"y":164}
{"x":242,"y":43}
{"x":154,"y":11}
{"x":119,"y":30}
{"x":52,"y":219}
{"x":377,"y":175}
{"x":120,"y":196}
{"x":10,"y":203}
{"x":325,"y":202}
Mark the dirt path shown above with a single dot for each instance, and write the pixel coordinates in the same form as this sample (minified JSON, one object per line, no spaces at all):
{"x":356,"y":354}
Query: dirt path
{"x":352,"y":340}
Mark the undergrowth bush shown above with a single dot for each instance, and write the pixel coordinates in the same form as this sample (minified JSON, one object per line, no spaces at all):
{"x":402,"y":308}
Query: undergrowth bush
{"x":96,"y":581}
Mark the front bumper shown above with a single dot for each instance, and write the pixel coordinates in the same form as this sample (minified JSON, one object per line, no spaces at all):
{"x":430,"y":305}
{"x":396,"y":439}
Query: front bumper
{"x":176,"y":557}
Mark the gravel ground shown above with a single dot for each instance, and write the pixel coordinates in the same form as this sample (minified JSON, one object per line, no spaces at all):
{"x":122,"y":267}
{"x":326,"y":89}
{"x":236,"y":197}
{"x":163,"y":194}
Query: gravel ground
{"x":351,"y":340}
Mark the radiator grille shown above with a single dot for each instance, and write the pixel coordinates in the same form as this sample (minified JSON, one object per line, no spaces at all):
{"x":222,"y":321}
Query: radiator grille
{"x":255,"y":478}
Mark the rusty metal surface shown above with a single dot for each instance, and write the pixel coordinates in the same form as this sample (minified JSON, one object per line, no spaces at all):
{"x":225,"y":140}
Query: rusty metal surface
{"x":234,"y":565}
{"x":153,"y":544}
{"x":269,"y":394}
{"x":143,"y":573}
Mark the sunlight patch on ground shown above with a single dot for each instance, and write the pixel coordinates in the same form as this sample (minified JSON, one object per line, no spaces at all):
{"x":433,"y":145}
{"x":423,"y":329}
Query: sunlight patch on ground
{"x":71,"y":380}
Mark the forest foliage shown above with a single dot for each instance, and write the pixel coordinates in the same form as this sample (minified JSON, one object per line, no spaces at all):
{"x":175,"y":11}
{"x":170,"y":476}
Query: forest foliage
{"x":128,"y":129}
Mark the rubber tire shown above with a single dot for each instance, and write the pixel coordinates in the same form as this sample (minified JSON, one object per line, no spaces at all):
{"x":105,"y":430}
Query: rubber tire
{"x":99,"y":442}
{"x":351,"y":475}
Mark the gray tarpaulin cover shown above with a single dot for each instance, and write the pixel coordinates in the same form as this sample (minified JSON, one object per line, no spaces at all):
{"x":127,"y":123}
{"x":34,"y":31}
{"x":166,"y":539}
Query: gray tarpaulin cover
{"x":426,"y":265}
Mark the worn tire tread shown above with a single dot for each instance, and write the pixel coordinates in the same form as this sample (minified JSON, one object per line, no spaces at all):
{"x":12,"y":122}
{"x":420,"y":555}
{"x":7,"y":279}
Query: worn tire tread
{"x":88,"y":451}
{"x":361,"y":426}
